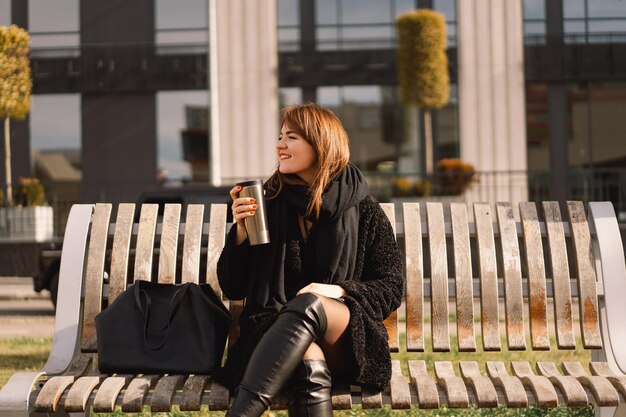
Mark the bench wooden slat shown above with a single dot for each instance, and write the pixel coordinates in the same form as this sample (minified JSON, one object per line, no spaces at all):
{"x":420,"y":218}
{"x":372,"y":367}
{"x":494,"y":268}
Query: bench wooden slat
{"x":414,"y":277}
{"x":219,"y":397}
{"x":399,"y":388}
{"x":514,"y":305}
{"x":561,"y":276}
{"x":217,"y":239}
{"x":438,"y":278}
{"x":453,"y":385}
{"x":533,"y":245}
{"x":427,"y":393}
{"x":371,"y":399}
{"x":107,"y":394}
{"x":542,"y":389}
{"x":135,"y":394}
{"x":191,"y":243}
{"x":463,"y":278}
{"x":488,"y":277}
{"x":145,"y":242}
{"x":79,"y":393}
{"x":48,"y":399}
{"x":514,"y":392}
{"x":602,"y":389}
{"x":340,"y":396}
{"x":391,"y":322}
{"x":486,"y":394}
{"x":169,"y":244}
{"x":164,"y":393}
{"x":120,"y":252}
{"x":191,"y":397}
{"x":602,"y":369}
{"x":585,"y":270}
{"x":572,"y":391}
{"x":95,"y":275}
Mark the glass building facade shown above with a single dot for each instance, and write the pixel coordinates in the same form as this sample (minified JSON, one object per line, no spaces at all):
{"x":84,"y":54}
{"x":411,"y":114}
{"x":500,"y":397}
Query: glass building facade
{"x":341,"y":53}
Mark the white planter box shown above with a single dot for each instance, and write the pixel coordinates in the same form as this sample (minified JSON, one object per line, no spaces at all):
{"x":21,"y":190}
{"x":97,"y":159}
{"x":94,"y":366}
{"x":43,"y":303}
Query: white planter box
{"x":27,"y":223}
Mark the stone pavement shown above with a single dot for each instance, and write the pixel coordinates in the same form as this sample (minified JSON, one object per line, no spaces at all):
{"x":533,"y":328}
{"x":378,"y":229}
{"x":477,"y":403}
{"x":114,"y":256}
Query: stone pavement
{"x":23,"y":312}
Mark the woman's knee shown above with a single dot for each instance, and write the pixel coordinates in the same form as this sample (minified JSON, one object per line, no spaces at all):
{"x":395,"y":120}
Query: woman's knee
{"x":314,"y":352}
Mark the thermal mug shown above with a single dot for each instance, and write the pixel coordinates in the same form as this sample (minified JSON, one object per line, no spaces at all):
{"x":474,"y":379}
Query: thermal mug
{"x":256,"y":226}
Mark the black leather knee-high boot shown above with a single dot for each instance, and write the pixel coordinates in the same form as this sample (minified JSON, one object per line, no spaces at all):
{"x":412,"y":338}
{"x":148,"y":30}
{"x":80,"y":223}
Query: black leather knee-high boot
{"x":309,"y":390}
{"x":280,"y":350}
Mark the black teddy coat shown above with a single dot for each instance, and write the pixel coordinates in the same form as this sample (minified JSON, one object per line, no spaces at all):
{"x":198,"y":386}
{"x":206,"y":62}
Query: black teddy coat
{"x":373,"y":293}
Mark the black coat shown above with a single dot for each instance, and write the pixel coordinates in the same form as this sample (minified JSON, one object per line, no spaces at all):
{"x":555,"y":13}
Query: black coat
{"x":373,"y":293}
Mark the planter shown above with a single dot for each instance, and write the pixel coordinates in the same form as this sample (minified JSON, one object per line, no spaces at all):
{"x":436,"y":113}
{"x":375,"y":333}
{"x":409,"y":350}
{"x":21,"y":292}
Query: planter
{"x":27,"y":223}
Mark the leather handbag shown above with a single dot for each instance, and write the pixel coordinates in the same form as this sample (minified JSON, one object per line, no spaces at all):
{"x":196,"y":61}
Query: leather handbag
{"x":163,"y":328}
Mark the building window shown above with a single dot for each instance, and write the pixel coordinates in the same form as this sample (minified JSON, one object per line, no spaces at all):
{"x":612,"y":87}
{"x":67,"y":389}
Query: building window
{"x":597,"y":17}
{"x":181,"y":22}
{"x":368,"y":24}
{"x":5,"y":12}
{"x":54,"y":23}
{"x":534,"y":20}
{"x":288,"y":18}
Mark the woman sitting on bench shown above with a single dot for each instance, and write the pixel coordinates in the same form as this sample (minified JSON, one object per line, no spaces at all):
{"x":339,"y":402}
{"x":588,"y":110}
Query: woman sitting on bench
{"x":317,"y":294}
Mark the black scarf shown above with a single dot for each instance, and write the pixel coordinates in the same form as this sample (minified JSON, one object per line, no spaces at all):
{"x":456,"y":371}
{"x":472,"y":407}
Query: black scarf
{"x":333,"y":238}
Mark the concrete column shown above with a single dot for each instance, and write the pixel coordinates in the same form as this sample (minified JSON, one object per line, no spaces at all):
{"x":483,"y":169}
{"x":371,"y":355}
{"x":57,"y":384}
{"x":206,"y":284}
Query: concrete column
{"x":557,"y":132}
{"x":557,"y":112}
{"x":119,"y":145}
{"x":491,"y":96}
{"x":244,"y":89}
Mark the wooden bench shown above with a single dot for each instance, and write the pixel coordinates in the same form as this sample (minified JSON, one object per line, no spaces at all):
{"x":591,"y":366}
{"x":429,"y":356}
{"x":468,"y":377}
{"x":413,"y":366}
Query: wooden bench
{"x":500,"y":278}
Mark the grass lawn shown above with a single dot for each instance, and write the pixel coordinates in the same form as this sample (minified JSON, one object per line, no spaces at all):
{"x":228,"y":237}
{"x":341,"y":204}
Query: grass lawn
{"x":26,"y":354}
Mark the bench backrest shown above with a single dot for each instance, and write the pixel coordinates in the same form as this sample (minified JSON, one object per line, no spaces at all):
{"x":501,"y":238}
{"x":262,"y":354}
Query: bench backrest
{"x":457,"y":257}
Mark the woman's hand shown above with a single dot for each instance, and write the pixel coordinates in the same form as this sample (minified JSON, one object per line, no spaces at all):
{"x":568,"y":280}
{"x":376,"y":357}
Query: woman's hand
{"x":327,"y":290}
{"x":242,"y":208}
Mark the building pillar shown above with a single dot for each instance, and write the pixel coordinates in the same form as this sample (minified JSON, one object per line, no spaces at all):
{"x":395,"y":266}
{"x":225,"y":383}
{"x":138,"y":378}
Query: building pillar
{"x":244,"y":89}
{"x":119,"y":138}
{"x":491,"y":97}
{"x":557,"y":113}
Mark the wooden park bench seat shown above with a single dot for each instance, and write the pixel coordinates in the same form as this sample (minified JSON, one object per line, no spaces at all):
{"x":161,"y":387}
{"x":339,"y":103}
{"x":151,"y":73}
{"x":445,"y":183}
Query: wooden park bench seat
{"x":512,"y":285}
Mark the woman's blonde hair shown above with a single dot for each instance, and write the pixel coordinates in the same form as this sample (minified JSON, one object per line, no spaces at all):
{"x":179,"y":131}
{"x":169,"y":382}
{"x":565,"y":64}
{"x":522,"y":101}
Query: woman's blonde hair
{"x":324,"y":132}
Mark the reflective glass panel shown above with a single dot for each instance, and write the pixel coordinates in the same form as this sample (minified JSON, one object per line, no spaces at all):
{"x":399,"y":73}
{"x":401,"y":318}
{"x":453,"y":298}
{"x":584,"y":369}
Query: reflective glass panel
{"x":365,"y":11}
{"x":326,"y":12}
{"x":55,"y":122}
{"x":53,"y":23}
{"x":534,"y":9}
{"x":288,"y":12}
{"x":606,"y":8}
{"x":5,"y":12}
{"x":182,"y":133}
{"x":447,"y":7}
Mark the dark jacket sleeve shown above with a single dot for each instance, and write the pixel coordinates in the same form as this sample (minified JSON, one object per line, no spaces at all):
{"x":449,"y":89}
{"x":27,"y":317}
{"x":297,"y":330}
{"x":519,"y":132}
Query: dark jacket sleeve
{"x":233,"y":266}
{"x":380,"y":289}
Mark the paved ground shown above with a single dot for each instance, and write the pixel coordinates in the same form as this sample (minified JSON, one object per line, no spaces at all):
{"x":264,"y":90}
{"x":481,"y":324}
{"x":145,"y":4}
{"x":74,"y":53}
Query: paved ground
{"x":23,"y":312}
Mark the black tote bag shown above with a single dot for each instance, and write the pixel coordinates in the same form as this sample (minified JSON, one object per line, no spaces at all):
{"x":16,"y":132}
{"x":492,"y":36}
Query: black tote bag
{"x":163,"y":328}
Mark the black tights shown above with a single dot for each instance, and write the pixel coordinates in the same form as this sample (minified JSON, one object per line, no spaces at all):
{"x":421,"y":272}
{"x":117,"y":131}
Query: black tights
{"x":334,"y":346}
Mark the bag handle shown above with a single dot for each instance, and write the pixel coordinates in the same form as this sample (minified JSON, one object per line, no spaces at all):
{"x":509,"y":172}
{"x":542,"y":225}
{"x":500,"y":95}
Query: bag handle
{"x":173,"y":309}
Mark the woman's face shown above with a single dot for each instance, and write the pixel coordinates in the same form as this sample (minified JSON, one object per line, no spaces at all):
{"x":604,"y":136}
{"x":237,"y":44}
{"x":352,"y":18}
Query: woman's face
{"x":295,"y":155}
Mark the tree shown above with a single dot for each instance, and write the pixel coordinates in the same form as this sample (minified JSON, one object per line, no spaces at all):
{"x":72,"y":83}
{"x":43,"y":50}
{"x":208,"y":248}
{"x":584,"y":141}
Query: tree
{"x":423,"y":66}
{"x":15,"y":87}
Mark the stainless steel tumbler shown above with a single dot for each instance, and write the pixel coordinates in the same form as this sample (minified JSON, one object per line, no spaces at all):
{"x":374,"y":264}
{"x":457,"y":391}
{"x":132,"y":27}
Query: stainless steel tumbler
{"x":256,"y":226}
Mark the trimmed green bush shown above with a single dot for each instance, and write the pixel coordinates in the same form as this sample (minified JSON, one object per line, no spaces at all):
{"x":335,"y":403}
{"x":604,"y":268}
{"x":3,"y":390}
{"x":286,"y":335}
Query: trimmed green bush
{"x":422,"y":60}
{"x":15,"y":86}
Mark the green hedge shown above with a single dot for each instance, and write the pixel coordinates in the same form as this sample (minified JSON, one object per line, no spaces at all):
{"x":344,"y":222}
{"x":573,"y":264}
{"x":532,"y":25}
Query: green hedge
{"x":422,"y":60}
